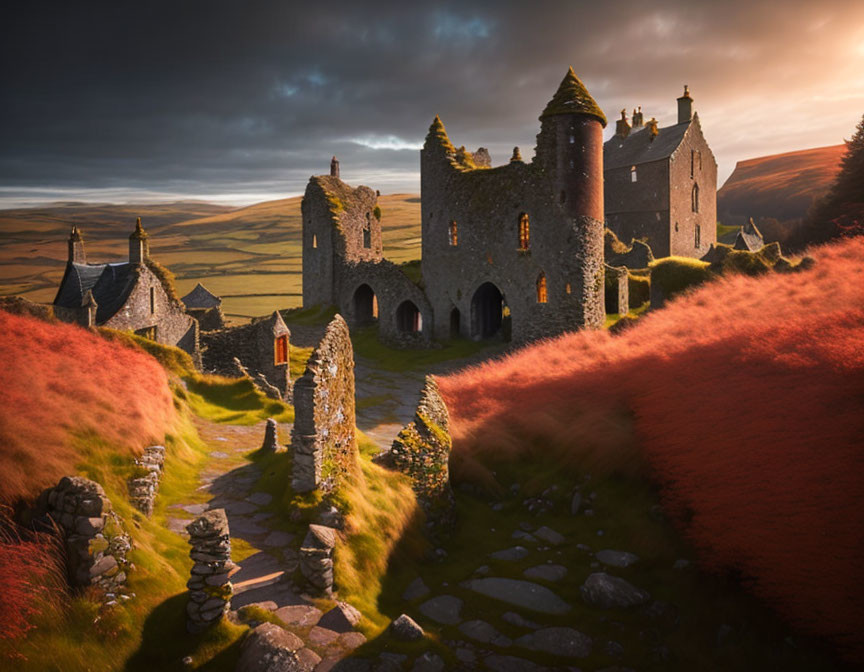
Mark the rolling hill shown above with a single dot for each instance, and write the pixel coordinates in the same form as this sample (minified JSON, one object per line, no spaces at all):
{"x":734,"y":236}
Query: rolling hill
{"x":781,"y":187}
{"x":250,"y":256}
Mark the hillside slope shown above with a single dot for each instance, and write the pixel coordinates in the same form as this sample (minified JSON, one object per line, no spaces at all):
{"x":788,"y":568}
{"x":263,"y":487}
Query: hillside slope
{"x":781,"y":186}
{"x":743,"y":401}
{"x":251,"y":256}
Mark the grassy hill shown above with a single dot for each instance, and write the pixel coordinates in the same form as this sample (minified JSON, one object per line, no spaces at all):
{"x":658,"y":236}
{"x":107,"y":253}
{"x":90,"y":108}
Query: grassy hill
{"x":250,"y":256}
{"x":780,"y":187}
{"x":742,"y":402}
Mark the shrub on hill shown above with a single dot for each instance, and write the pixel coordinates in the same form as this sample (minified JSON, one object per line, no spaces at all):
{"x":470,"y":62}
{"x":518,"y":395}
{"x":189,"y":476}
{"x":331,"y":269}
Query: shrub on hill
{"x":58,"y":382}
{"x":742,"y":400}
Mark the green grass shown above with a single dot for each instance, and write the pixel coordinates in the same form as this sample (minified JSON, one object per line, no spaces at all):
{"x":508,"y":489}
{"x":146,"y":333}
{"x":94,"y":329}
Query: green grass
{"x":674,"y":275}
{"x":413,"y":270}
{"x":724,"y":230}
{"x":634,"y":313}
{"x":319,"y":315}
{"x":234,"y":401}
{"x":367,"y":345}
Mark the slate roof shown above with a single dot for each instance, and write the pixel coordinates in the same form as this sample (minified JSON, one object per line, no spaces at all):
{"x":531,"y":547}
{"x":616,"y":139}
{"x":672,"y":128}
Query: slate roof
{"x":201,"y":297}
{"x":111,"y":285}
{"x":749,"y":237}
{"x":638,"y":147}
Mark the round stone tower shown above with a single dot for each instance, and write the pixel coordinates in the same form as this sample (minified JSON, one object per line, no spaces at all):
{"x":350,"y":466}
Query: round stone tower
{"x":570,"y":148}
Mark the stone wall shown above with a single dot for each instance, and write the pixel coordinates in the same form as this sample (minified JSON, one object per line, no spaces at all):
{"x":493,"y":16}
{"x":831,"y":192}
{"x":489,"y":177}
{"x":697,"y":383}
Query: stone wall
{"x":209,"y":586}
{"x":323,"y":440}
{"x":143,"y":488}
{"x":422,"y":451}
{"x":316,"y":558}
{"x":254,"y":345}
{"x":640,"y":209}
{"x":209,"y":319}
{"x":95,"y":541}
{"x":617,"y":290}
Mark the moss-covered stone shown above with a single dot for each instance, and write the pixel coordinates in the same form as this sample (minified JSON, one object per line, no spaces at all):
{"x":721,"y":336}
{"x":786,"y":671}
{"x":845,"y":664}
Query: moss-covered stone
{"x":573,"y":98}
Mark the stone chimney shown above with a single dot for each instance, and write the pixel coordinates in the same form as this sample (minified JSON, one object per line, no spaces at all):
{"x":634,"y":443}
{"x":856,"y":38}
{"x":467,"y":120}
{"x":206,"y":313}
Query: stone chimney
{"x":653,"y":131}
{"x":334,"y":167}
{"x":139,"y":248}
{"x":76,"y":247}
{"x":622,"y":128}
{"x":517,"y":155}
{"x":685,"y":106}
{"x":637,"y":118}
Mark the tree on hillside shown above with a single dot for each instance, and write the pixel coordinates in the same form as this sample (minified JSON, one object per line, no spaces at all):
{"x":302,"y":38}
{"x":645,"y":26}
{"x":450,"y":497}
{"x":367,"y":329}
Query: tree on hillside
{"x":841,"y":211}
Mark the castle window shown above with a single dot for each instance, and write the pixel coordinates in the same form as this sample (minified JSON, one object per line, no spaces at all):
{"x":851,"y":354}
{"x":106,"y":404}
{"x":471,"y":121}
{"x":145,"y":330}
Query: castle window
{"x":695,"y":161}
{"x":281,"y":350}
{"x":367,"y":238}
{"x":524,"y":232}
{"x":633,"y":177}
{"x":698,"y":236}
{"x":694,"y":198}
{"x":152,"y":300}
{"x":408,"y":318}
{"x":453,"y":233}
{"x":572,"y":139}
{"x":567,"y":288}
{"x":542,"y":296}
{"x":314,"y":241}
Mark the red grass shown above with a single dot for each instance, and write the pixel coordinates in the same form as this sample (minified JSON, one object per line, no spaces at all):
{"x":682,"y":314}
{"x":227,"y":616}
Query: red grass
{"x":59,"y":381}
{"x":744,"y":399}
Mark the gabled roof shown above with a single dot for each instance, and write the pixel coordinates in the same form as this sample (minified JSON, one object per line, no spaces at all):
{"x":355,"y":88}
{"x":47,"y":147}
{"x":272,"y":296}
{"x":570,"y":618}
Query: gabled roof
{"x":111,"y":285}
{"x":638,"y":147}
{"x":749,"y":238}
{"x":573,"y":98}
{"x":201,"y":297}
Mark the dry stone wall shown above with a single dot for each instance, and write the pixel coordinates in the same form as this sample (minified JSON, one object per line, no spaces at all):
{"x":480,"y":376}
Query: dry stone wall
{"x":142,"y":489}
{"x":210,"y":589}
{"x":95,"y":540}
{"x":323,"y":439}
{"x":422,"y":451}
{"x":316,"y":558}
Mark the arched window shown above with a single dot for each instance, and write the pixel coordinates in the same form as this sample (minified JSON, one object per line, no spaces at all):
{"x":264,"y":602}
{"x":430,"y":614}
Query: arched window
{"x":152,"y":300}
{"x":281,"y":350}
{"x":633,"y":176}
{"x":524,"y":232}
{"x":567,"y":288}
{"x":698,"y":237}
{"x":453,"y":233}
{"x":314,"y":241}
{"x":408,"y":318}
{"x":694,"y":198}
{"x":542,"y":296}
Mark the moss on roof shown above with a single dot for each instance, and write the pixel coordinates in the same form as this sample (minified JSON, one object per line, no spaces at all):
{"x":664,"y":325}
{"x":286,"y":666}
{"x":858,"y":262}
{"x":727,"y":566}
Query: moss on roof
{"x":573,"y":98}
{"x":438,"y":135}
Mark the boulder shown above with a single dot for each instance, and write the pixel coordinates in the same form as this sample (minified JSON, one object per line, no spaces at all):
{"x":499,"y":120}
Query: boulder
{"x":616,"y":558}
{"x":269,"y":648}
{"x":341,"y":618}
{"x":520,"y":593}
{"x":406,"y":629}
{"x":607,"y":592}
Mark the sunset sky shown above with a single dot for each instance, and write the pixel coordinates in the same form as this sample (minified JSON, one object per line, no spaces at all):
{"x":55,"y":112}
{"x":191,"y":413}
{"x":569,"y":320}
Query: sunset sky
{"x":243,"y":101}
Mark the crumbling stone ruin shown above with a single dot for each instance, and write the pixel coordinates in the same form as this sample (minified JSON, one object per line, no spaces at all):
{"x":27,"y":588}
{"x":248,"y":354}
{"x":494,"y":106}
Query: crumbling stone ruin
{"x":95,"y":541}
{"x":271,"y":438}
{"x":512,"y":251}
{"x":316,"y":558}
{"x":617,"y":290}
{"x":660,"y":184}
{"x":261,"y":350}
{"x":323,"y":440}
{"x":422,"y":451}
{"x":142,"y":489}
{"x":210,"y":589}
{"x":749,"y":238}
{"x":205,"y":307}
{"x":136,"y":295}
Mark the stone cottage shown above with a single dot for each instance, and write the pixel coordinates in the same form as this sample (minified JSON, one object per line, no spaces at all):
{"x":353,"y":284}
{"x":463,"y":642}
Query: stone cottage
{"x":661,"y":183}
{"x":514,"y":251}
{"x":205,"y":307}
{"x":137,"y":295}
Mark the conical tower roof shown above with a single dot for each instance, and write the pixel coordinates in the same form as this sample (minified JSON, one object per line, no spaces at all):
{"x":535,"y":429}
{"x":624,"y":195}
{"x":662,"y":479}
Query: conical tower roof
{"x":573,"y":98}
{"x":438,"y":135}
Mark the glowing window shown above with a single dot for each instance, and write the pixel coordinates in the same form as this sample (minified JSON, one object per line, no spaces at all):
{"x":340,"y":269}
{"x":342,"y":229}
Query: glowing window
{"x":542,"y":296}
{"x":281,"y":350}
{"x":567,"y":288}
{"x":453,"y":233}
{"x":314,"y":241}
{"x":633,"y":177}
{"x":524,"y":232}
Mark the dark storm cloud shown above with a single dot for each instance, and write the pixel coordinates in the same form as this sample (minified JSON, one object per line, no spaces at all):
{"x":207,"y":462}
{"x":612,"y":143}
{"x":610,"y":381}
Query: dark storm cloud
{"x":215,"y":98}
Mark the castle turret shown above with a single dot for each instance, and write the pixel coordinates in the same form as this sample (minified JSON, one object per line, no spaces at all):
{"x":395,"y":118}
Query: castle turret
{"x":334,"y":167}
{"x":139,"y":247}
{"x":76,"y":247}
{"x":685,"y":106}
{"x":622,"y":128}
{"x":570,"y":148}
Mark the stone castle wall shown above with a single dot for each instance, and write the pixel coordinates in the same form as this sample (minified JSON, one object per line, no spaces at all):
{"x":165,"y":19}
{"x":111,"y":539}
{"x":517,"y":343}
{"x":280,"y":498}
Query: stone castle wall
{"x":681,"y":215}
{"x":323,"y":439}
{"x":631,"y":207}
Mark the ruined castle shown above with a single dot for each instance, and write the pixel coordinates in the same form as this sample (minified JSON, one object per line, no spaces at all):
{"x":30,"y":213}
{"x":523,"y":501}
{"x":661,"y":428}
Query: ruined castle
{"x":514,"y":251}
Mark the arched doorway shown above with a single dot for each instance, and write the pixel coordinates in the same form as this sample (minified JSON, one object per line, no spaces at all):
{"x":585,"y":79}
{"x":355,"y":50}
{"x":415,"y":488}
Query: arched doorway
{"x":487,"y":311}
{"x":365,"y":305}
{"x":408,"y":318}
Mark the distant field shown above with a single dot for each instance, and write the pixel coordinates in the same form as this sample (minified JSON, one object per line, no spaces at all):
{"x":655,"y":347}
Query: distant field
{"x":250,"y":256}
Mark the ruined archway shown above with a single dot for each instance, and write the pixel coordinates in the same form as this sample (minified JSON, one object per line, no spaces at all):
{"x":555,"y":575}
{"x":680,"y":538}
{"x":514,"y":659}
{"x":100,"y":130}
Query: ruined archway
{"x":365,"y":305}
{"x":408,"y":318}
{"x":455,"y":320}
{"x":487,"y":311}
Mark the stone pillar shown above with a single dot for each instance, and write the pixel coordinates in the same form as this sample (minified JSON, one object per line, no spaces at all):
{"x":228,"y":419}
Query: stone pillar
{"x":271,"y":438}
{"x":209,"y":588}
{"x":316,"y":558}
{"x":142,"y":489}
{"x":96,"y":543}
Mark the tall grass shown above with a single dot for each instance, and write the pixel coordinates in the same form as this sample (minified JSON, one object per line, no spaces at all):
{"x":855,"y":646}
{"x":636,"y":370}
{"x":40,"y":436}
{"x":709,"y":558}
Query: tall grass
{"x":58,"y":381}
{"x":743,"y":400}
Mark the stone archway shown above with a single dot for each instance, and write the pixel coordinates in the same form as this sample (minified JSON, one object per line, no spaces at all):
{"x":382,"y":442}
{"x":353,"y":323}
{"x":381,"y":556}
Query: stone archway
{"x":487,"y":311}
{"x":408,"y":318}
{"x":365,"y":305}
